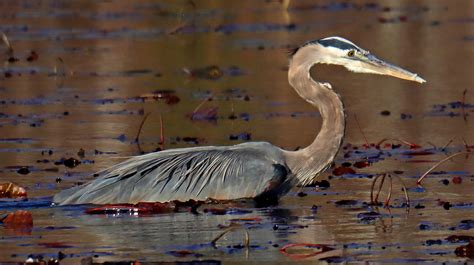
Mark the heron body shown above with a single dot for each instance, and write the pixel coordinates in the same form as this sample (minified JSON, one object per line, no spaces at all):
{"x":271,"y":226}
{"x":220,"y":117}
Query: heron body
{"x":247,"y":170}
{"x":256,"y":170}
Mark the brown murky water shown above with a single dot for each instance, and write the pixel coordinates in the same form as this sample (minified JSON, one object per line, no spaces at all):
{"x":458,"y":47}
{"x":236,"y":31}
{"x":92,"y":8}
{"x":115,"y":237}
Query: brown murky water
{"x":99,"y":61}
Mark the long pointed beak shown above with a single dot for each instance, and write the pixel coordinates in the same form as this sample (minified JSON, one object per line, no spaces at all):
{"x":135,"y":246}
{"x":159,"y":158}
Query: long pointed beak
{"x":381,"y":67}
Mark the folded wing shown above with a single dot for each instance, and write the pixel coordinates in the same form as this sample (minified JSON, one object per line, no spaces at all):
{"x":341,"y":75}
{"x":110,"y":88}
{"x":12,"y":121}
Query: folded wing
{"x":223,"y":173}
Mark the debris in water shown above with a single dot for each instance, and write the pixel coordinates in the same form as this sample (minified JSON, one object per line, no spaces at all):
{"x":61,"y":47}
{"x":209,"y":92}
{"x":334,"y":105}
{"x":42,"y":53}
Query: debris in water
{"x":233,"y":227}
{"x":338,"y":171}
{"x":23,"y":170}
{"x":12,"y":59}
{"x":81,"y":153}
{"x":447,"y":205}
{"x":169,"y":96}
{"x":183,"y":253}
{"x":431,"y":242}
{"x":411,"y":145}
{"x":71,"y":162}
{"x":316,"y":249}
{"x":346,"y":202}
{"x":463,"y":112}
{"x":137,"y":138}
{"x":7,"y":43}
{"x":211,"y":72}
{"x":418,"y":182}
{"x":323,"y":184}
{"x":32,"y":57}
{"x":456,"y":180}
{"x":361,"y":164}
{"x":19,"y":220}
{"x":466,"y":224}
{"x":368,"y":216}
{"x":241,"y":136}
{"x":361,"y":132}
{"x":12,"y":191}
{"x":466,"y":251}
{"x":302,"y":194}
{"x":374,"y":200}
{"x":205,"y":114}
{"x":459,"y":238}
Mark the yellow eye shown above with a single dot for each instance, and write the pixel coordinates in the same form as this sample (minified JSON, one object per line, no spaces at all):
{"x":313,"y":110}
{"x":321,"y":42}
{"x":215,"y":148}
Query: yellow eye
{"x":350,"y":53}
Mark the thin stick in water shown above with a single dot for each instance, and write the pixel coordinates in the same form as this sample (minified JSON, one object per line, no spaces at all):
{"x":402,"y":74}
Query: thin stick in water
{"x":389,"y":195}
{"x":407,"y":198}
{"x":380,"y":188}
{"x":162,"y":134}
{"x":464,"y":115}
{"x":448,"y":143}
{"x":362,"y":132}
{"x":201,"y":104}
{"x":232,"y":228}
{"x":137,"y":138}
{"x":418,"y":182}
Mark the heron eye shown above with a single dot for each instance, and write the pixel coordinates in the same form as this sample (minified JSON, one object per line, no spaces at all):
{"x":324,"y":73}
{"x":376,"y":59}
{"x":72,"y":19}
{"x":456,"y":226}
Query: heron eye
{"x":350,"y":53}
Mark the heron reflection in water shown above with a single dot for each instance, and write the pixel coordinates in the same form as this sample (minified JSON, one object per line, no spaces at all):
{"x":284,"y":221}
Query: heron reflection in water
{"x":256,"y":170}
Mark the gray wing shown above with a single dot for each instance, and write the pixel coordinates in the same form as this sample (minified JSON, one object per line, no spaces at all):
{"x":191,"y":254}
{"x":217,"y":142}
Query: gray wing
{"x":223,"y":173}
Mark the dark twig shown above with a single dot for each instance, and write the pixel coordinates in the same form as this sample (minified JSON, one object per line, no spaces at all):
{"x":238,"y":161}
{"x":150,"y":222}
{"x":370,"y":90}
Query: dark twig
{"x":362,"y":132}
{"x":162,"y":134}
{"x":448,"y":143}
{"x":389,"y":195}
{"x":372,"y":189}
{"x":137,"y":138}
{"x":464,"y":115}
{"x":380,"y":188}
{"x":374,"y":201}
{"x":232,"y":113}
{"x":437,"y":165}
{"x":407,"y":198}
{"x":466,"y":145}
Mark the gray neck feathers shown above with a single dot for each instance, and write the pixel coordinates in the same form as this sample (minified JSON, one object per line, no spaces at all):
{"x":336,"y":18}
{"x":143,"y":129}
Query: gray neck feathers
{"x":308,"y":162}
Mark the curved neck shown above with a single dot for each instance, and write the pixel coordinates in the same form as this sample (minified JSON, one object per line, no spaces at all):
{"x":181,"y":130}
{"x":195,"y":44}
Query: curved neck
{"x":308,"y":162}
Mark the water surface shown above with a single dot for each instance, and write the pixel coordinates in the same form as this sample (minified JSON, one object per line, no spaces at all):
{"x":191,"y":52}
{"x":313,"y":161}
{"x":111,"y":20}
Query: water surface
{"x":102,"y":65}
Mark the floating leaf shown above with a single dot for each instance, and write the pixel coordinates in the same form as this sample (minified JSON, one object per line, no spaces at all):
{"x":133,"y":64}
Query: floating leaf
{"x":343,"y":170}
{"x":32,"y":57}
{"x":12,"y":191}
{"x":19,"y":222}
{"x":465,"y":251}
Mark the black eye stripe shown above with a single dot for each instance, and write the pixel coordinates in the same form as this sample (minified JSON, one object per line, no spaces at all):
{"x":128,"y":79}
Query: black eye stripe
{"x":337,"y":44}
{"x":331,"y":42}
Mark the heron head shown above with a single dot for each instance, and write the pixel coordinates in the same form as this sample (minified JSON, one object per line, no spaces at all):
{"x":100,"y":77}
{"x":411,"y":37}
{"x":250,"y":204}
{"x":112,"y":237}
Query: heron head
{"x":339,"y":51}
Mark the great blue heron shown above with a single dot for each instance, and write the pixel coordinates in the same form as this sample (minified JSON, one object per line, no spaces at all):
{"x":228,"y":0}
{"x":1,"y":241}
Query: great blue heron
{"x":257,"y":170}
